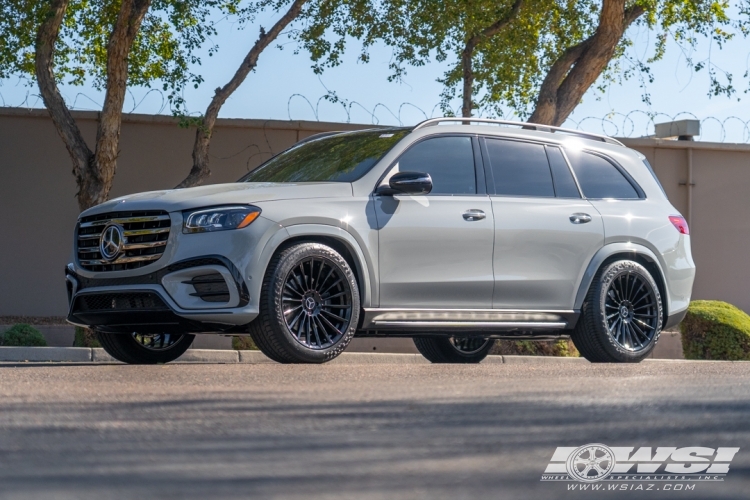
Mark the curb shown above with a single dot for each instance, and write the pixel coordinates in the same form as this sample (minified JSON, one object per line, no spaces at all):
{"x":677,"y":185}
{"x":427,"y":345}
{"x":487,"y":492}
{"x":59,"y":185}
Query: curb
{"x":97,"y":355}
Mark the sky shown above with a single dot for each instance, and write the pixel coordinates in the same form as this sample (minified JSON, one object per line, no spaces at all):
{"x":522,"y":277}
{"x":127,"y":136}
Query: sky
{"x":284,"y":87}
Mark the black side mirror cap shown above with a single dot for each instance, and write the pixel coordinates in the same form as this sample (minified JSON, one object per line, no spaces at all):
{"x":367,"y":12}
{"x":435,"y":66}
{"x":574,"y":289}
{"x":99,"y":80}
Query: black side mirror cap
{"x":414,"y":183}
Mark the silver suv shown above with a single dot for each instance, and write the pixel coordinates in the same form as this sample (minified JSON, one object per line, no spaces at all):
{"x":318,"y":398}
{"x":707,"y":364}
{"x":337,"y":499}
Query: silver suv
{"x":455,"y":232}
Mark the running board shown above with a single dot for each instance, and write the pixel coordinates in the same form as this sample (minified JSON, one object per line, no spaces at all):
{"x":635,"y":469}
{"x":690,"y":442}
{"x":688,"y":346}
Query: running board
{"x":485,"y":320}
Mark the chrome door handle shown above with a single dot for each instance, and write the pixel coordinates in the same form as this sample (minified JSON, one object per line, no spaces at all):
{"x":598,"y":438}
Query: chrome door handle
{"x":474,"y":214}
{"x":580,"y":218}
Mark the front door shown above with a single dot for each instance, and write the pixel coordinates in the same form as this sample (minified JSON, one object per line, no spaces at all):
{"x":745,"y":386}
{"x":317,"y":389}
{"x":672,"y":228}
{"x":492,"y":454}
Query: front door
{"x":545,"y":233}
{"x":436,"y":249}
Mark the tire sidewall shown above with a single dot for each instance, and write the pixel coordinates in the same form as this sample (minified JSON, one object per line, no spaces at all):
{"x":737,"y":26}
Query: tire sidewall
{"x":610,"y":345}
{"x":291,"y":258}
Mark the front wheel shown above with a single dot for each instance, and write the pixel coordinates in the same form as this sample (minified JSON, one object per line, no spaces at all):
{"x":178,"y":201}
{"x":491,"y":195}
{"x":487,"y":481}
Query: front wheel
{"x":621,"y":318}
{"x":309,"y":305}
{"x":454,"y":349}
{"x":145,"y":349}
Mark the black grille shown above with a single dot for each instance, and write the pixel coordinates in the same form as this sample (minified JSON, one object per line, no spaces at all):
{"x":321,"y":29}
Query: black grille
{"x":210,"y":287}
{"x":119,"y":302}
{"x":145,"y":238}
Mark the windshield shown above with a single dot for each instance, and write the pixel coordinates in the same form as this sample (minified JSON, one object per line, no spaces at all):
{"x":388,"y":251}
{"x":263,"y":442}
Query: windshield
{"x":339,"y":158}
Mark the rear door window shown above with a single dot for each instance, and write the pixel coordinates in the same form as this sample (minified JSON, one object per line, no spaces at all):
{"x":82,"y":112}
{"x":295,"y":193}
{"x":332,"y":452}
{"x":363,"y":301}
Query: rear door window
{"x":599,"y":178}
{"x":519,"y":168}
{"x":565,"y":185}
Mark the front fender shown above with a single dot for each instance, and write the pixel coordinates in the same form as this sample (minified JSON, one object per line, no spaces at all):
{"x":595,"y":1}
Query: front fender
{"x":364,"y":267}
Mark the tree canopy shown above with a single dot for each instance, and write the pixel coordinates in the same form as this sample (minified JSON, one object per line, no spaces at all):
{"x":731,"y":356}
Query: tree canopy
{"x":536,"y":52}
{"x":164,"y":52}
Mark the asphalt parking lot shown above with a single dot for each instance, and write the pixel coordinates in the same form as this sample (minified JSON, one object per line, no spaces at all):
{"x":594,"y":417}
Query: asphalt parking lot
{"x":352,"y":431}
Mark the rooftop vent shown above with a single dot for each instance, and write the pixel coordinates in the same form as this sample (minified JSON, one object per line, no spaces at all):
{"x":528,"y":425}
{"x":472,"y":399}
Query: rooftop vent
{"x":682,"y":130}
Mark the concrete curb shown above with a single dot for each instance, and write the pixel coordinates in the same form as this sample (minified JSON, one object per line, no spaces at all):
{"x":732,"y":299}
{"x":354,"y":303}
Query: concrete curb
{"x":97,"y":355}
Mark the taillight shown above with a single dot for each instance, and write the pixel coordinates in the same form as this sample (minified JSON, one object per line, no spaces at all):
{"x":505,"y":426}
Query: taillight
{"x":680,"y":223}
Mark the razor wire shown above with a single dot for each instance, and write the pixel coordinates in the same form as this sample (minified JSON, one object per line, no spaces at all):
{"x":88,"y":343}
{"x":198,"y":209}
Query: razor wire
{"x":635,"y":123}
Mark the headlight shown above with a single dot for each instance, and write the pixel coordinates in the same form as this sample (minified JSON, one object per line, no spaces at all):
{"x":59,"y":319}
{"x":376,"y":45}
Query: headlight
{"x":218,"y":219}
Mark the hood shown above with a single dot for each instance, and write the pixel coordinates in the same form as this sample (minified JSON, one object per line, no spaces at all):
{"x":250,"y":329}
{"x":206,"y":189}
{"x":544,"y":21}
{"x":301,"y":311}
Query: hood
{"x":221,"y":194}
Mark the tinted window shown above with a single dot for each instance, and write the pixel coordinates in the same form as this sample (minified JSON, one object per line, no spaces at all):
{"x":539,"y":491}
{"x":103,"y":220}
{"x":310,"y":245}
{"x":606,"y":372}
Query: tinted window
{"x":565,"y":185}
{"x":337,"y":158}
{"x":448,"y":160}
{"x":599,"y":178}
{"x":519,"y":168}
{"x":650,"y":169}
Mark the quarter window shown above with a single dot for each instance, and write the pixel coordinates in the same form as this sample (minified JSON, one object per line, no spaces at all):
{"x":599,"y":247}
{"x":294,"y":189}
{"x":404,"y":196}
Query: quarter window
{"x":448,"y":160}
{"x":601,"y":179}
{"x":519,"y":168}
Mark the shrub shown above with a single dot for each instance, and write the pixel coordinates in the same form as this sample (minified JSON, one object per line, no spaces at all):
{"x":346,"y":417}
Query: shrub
{"x":563,"y":348}
{"x":243,"y":344}
{"x":715,"y":330}
{"x":23,"y":335}
{"x":85,"y":337}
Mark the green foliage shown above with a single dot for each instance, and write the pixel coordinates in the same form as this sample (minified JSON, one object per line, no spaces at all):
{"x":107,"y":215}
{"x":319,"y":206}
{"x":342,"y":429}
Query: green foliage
{"x":243,"y":344}
{"x":564,"y":348}
{"x":510,"y":67}
{"x":164,"y":52}
{"x":23,"y":335}
{"x":715,"y":330}
{"x":85,"y":337}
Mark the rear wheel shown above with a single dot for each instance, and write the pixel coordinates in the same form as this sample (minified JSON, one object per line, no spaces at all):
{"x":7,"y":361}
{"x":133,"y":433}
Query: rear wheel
{"x":622,"y":315}
{"x":454,"y":349}
{"x":309,"y":305}
{"x":145,"y":349}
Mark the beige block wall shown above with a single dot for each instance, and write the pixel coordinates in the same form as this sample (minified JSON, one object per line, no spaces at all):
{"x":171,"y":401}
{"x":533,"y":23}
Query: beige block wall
{"x":38,"y":208}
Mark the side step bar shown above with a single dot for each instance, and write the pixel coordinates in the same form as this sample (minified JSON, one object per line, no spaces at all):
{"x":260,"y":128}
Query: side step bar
{"x":467,"y":320}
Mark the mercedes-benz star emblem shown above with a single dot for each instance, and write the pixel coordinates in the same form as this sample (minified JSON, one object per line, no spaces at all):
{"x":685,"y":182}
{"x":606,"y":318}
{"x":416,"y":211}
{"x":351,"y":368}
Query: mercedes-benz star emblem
{"x":111,"y":242}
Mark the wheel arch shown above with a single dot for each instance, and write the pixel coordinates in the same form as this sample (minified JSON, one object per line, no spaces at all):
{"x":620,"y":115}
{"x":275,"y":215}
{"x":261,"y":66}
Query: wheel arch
{"x":338,"y":239}
{"x":625,"y":251}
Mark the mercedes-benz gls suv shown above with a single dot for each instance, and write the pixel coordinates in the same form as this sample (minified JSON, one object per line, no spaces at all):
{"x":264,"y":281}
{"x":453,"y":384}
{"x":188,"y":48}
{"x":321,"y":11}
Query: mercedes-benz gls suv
{"x":454,"y":232}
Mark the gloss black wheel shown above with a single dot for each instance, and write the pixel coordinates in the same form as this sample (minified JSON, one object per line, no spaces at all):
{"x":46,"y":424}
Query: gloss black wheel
{"x":309,"y":305}
{"x":454,"y":349}
{"x":317,"y":303}
{"x":631,"y":311}
{"x":622,"y":315}
{"x":145,"y":349}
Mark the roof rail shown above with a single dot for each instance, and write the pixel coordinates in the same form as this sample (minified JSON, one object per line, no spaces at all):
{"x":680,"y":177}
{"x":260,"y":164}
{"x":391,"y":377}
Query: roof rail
{"x":525,"y":125}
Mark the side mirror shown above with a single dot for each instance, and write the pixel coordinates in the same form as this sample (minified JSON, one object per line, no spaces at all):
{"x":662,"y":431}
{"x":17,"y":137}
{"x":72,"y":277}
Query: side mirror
{"x":407,"y":183}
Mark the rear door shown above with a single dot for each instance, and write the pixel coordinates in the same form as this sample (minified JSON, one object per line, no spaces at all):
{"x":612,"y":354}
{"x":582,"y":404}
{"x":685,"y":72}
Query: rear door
{"x":436,"y":249}
{"x":545,"y":233}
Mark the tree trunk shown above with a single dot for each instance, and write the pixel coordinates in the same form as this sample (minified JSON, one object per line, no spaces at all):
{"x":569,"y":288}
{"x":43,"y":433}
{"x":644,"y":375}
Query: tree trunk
{"x":580,"y":65}
{"x":200,"y":170}
{"x":468,"y":53}
{"x":94,"y":171}
{"x":66,"y":126}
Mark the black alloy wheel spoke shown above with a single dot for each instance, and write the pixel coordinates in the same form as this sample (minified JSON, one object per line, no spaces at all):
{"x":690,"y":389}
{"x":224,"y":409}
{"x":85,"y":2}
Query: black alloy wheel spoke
{"x":631,"y":311}
{"x":318,"y":308}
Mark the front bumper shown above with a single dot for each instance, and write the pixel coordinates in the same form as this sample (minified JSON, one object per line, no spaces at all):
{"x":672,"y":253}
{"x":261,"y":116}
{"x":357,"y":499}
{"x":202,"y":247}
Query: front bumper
{"x":144,"y":303}
{"x":159,"y":297}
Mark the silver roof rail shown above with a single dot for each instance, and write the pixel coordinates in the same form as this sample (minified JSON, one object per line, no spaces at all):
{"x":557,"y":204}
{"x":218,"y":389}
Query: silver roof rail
{"x":526,"y":125}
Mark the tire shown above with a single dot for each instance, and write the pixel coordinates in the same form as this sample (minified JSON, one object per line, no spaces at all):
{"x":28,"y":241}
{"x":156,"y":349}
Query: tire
{"x":622,"y":315}
{"x":135,"y":349}
{"x":309,"y":305}
{"x":454,"y":349}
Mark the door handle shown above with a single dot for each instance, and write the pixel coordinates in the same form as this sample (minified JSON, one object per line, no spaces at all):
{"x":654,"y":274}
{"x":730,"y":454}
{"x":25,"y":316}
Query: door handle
{"x":474,"y":214}
{"x":580,"y":218}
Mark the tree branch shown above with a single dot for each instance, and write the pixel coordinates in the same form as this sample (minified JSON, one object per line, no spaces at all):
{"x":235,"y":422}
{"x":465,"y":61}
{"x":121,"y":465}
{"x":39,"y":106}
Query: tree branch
{"x":66,"y":126}
{"x":579,"y":66}
{"x":467,"y":55}
{"x":200,"y":170}
{"x":96,"y":187}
